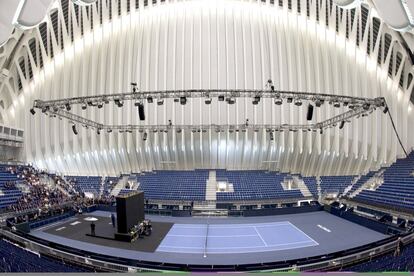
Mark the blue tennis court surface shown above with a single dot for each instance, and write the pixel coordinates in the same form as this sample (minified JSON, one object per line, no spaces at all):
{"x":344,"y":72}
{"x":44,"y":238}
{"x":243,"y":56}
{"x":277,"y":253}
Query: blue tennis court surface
{"x":234,"y":238}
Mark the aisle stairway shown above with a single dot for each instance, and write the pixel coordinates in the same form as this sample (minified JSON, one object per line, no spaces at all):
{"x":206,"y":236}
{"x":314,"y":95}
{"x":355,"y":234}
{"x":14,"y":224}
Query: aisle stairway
{"x":211,"y":186}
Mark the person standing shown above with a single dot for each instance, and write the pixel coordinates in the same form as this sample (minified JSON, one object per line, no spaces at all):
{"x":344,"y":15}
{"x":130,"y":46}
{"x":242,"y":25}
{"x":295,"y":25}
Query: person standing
{"x":113,"y":220}
{"x":92,"y":229}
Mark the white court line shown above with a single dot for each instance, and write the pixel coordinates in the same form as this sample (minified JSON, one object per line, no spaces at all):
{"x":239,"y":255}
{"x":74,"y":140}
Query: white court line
{"x":60,"y":228}
{"x":304,"y":233}
{"x":260,"y":236}
{"x":75,"y":223}
{"x":211,"y":236}
{"x":237,"y":247}
{"x":238,"y":225}
{"x":47,"y":226}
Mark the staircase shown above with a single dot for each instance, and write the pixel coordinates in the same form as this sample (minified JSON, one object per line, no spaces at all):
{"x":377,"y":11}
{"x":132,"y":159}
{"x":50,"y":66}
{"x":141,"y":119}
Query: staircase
{"x":101,"y":188}
{"x":119,"y":186}
{"x":211,"y":186}
{"x":318,"y":187}
{"x":368,"y":184}
{"x":347,"y":189}
{"x":302,"y":187}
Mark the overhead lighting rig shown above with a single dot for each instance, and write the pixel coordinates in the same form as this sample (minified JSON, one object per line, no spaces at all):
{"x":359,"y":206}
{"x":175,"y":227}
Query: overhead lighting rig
{"x":357,"y":107}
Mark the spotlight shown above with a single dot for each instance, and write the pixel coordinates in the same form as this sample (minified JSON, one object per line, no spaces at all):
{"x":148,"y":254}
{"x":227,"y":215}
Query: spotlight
{"x":278,"y":101}
{"x":176,"y":100}
{"x":84,"y":106}
{"x":45,"y":109}
{"x":183,"y":100}
{"x":298,"y":102}
{"x":120,"y":103}
{"x":256,"y":100}
{"x":100,"y":105}
{"x":150,"y":99}
{"x":68,"y":107}
{"x":208,"y":101}
{"x":169,"y":123}
{"x":385,"y":109}
{"x":160,"y":101}
{"x":221,"y":98}
{"x":321,"y":131}
{"x":341,"y":126}
{"x":289,"y":100}
{"x":366,"y":106}
{"x":109,"y":130}
{"x":90,"y":103}
{"x":178,"y":130}
{"x":106,"y":101}
{"x":32,"y":111}
{"x":231,"y":100}
{"x":337,"y":104}
{"x":75,"y":131}
{"x":318,"y":103}
{"x":271,"y":136}
{"x":133,"y":83}
{"x":98,"y":131}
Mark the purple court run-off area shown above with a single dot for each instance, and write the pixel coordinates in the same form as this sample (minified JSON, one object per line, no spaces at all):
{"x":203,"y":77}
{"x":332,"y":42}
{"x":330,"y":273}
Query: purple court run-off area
{"x":234,"y":238}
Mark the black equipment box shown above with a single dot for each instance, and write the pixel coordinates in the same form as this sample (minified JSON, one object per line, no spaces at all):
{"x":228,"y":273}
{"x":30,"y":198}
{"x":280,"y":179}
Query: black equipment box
{"x":129,"y":210}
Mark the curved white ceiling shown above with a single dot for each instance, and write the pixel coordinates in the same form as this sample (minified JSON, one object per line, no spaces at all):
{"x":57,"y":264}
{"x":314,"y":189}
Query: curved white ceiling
{"x":396,"y":13}
{"x":25,"y":14}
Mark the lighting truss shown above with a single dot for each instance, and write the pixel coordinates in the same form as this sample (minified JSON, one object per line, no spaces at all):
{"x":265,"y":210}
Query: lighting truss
{"x":360,"y":106}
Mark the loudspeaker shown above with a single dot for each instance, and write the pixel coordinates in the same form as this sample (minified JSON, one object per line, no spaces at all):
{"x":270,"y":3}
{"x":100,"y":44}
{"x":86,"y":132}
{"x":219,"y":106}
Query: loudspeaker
{"x":309,"y":115}
{"x":141,"y":112}
{"x":75,"y":131}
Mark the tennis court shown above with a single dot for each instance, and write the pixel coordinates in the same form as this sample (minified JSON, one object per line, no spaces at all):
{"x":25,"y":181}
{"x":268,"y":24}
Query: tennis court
{"x":234,"y":238}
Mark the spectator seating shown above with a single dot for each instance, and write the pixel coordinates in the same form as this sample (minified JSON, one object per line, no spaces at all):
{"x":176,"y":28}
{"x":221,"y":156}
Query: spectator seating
{"x":109,"y":183}
{"x":16,"y":259}
{"x":361,"y":181}
{"x":254,"y":185}
{"x":310,"y":182}
{"x":174,"y":185}
{"x":9,"y":194}
{"x":335,"y":184}
{"x":86,"y":184}
{"x":397,"y":190}
{"x":389,"y":262}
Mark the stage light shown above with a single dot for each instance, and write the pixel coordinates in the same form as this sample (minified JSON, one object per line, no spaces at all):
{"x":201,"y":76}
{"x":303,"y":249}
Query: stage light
{"x":271,"y":136}
{"x":318,"y":103}
{"x":179,"y":130}
{"x":385,"y":109}
{"x":366,"y":106}
{"x":45,"y":109}
{"x":68,"y":107}
{"x":100,"y":105}
{"x":256,"y":100}
{"x":341,"y":126}
{"x":176,"y":100}
{"x":278,"y":101}
{"x":309,"y":115}
{"x":109,"y":130}
{"x":208,"y":101}
{"x":150,"y":99}
{"x":221,"y":98}
{"x":90,"y":103}
{"x":321,"y":131}
{"x":133,"y":83}
{"x":75,"y":131}
{"x":231,"y":100}
{"x":160,"y":101}
{"x":183,"y":100}
{"x":337,"y":104}
{"x":98,"y":131}
{"x":169,"y":123}
{"x":298,"y":102}
{"x":84,"y":106}
{"x":106,"y":101}
{"x":289,"y":100}
{"x":120,"y":103}
{"x":32,"y":111}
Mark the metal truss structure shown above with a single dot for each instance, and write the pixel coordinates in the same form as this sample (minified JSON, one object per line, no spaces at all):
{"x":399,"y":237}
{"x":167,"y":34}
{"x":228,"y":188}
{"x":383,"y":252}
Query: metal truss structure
{"x":357,"y":107}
